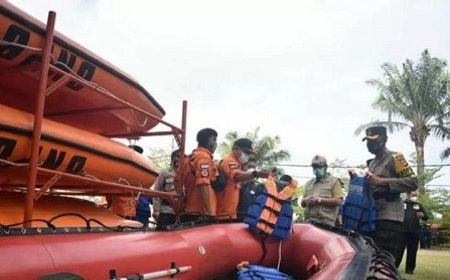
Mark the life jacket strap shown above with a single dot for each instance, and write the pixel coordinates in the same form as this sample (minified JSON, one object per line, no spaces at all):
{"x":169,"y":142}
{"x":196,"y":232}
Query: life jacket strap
{"x":280,"y":201}
{"x":270,"y":209}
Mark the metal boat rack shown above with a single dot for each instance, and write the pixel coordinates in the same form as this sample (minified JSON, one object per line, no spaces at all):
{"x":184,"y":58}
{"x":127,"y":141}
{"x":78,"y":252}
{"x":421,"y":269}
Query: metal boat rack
{"x":33,"y":192}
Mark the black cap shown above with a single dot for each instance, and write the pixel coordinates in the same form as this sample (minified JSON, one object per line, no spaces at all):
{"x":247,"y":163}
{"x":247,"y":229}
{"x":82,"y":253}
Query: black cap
{"x":286,"y":178}
{"x":137,"y":148}
{"x":375,"y":132}
{"x":245,"y":144}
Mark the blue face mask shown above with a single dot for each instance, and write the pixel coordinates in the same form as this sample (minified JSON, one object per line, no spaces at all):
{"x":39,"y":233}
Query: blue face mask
{"x":319,"y":172}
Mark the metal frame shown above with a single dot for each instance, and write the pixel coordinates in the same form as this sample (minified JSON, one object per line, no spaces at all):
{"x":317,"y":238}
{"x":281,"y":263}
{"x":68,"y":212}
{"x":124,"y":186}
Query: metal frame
{"x":44,"y":90}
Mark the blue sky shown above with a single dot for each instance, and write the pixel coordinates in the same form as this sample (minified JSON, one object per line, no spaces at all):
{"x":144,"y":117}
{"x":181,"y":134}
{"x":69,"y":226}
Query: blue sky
{"x":297,"y":69}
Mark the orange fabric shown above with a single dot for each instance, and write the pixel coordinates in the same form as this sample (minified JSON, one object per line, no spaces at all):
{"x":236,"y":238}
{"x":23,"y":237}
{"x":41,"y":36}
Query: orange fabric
{"x":124,"y":206}
{"x":73,"y":95}
{"x":200,"y":171}
{"x":228,"y":199}
{"x":47,"y":207}
{"x":68,"y":149}
{"x":269,"y":216}
{"x":289,"y":190}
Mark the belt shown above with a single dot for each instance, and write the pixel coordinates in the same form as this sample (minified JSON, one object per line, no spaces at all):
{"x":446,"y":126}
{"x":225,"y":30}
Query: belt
{"x":386,"y":195}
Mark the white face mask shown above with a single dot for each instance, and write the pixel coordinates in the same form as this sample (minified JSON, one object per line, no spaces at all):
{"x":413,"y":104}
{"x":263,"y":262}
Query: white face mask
{"x":413,"y":198}
{"x":243,"y":158}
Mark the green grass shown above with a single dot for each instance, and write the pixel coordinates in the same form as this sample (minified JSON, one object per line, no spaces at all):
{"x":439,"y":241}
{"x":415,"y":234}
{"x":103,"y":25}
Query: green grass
{"x":431,"y":264}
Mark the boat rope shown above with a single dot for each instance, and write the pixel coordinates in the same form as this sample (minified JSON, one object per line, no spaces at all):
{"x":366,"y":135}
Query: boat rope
{"x":18,"y":164}
{"x":382,"y":262}
{"x":97,"y":87}
{"x":132,"y":203}
{"x":136,"y":119}
{"x":279,"y":254}
{"x":68,"y":69}
{"x":8,"y":43}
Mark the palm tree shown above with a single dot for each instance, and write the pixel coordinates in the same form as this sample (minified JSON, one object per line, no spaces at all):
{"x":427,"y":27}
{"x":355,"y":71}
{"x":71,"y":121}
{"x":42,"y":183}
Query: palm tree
{"x":266,"y":148}
{"x":445,"y":153}
{"x":418,"y":95}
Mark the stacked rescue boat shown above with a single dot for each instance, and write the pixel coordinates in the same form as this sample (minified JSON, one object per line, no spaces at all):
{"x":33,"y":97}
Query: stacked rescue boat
{"x":88,"y":101}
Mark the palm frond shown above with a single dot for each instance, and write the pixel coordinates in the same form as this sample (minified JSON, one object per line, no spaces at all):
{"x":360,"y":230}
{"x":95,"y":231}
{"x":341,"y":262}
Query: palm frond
{"x":441,"y":130}
{"x":446,"y":153}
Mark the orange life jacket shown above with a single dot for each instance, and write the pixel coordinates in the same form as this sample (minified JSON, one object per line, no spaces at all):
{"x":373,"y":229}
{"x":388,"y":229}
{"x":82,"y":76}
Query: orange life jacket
{"x":271,"y":213}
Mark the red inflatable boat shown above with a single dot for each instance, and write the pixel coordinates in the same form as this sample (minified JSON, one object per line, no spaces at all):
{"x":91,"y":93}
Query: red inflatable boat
{"x":202,"y":252}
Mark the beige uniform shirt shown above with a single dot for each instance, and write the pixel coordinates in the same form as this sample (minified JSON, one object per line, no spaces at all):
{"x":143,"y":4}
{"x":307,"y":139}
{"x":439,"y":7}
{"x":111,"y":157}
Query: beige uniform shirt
{"x":327,"y":187}
{"x":391,"y":165}
{"x":164,"y":183}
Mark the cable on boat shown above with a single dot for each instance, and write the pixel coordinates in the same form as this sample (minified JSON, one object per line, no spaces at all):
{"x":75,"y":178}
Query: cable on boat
{"x":119,"y":228}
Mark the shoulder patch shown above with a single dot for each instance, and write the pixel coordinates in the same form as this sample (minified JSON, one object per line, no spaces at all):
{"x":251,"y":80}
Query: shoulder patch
{"x":169,"y":180}
{"x":204,"y":173}
{"x":401,"y":166}
{"x":204,"y":166}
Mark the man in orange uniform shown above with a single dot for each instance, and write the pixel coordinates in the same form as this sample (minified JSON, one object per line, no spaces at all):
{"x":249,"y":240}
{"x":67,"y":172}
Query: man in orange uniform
{"x":200,"y":171}
{"x":228,"y":198}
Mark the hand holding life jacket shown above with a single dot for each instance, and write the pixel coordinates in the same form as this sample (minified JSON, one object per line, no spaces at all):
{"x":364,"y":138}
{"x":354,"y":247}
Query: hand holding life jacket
{"x":272,"y":212}
{"x":359,"y":212}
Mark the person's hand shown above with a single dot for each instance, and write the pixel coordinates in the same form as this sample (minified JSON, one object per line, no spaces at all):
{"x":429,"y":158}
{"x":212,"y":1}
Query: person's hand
{"x":420,"y":215}
{"x":263,"y":173}
{"x":306,"y":201}
{"x":310,"y":201}
{"x":351,"y":172}
{"x":314,"y":201}
{"x":375,"y":180}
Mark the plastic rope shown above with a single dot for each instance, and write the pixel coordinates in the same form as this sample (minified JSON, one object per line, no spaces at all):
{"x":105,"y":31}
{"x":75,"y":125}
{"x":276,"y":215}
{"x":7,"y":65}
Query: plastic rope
{"x":279,"y":254}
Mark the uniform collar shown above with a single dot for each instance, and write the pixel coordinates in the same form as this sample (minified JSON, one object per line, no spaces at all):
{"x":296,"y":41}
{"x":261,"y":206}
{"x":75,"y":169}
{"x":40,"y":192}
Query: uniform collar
{"x":233,"y":157}
{"x":204,"y":150}
{"x":322,"y":179}
{"x":383,"y":156}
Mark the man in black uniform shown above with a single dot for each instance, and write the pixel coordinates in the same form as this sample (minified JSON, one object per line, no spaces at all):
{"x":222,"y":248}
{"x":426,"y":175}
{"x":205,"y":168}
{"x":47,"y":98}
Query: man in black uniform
{"x":411,"y":227}
{"x":389,"y":175}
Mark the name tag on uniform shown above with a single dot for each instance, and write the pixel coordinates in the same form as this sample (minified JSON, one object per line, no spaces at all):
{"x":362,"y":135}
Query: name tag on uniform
{"x":416,"y":207}
{"x":404,"y":206}
{"x":169,"y":180}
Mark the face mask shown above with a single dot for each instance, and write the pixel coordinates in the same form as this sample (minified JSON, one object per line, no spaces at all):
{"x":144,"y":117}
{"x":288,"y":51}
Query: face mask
{"x":243,"y":158}
{"x":374,"y":146}
{"x":319,"y":172}
{"x":212,"y":144}
{"x":413,"y":198}
{"x":175,"y":162}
